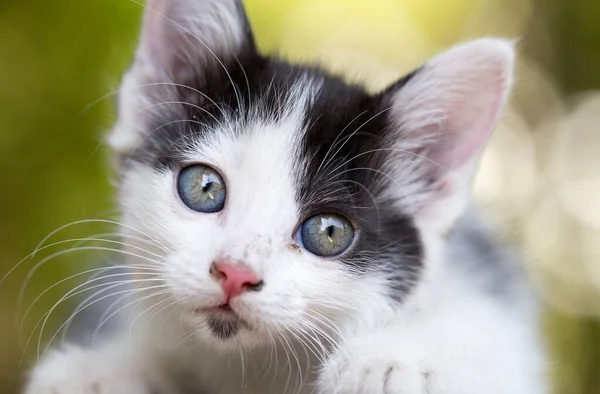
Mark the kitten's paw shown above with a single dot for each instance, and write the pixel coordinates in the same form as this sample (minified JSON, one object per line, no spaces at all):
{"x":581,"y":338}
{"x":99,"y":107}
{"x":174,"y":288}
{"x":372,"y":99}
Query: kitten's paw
{"x":78,"y":371}
{"x":369,"y":369}
{"x":390,"y":363}
{"x":373,"y":376}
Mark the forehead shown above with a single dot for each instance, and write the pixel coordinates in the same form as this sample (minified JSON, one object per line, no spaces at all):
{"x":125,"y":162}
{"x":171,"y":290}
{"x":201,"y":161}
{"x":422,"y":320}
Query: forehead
{"x":271,"y":121}
{"x":261,"y":159}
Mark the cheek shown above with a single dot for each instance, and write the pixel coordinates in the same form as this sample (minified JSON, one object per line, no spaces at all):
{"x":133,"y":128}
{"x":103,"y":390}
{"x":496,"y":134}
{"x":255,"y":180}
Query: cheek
{"x":301,"y":283}
{"x":321,"y":276}
{"x":331,"y":292}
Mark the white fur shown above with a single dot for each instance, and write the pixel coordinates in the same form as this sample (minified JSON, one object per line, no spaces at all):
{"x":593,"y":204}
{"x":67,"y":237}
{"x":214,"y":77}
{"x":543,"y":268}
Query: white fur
{"x":314,"y":326}
{"x":460,"y":344}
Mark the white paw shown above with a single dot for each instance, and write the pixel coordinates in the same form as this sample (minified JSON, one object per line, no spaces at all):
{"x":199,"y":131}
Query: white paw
{"x":77,"y":371}
{"x":373,"y":376}
{"x":396,"y":363}
{"x":373,"y":365}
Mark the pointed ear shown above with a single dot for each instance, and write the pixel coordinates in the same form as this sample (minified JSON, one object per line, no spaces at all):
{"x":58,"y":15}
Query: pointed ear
{"x":180,"y":34}
{"x":441,"y":120}
{"x":194,"y":43}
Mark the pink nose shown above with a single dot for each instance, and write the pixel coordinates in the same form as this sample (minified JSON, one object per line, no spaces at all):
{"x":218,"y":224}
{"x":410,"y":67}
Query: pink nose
{"x":234,"y":279}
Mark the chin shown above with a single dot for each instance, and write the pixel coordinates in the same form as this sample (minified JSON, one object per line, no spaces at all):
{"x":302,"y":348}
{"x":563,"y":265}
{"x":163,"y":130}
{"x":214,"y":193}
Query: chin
{"x":226,"y":331}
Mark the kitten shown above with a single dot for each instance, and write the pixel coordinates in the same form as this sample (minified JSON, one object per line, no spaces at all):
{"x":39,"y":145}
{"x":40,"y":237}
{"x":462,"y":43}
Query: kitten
{"x":300,"y":234}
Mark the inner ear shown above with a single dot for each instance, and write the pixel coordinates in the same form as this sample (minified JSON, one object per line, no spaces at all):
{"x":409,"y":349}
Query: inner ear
{"x":441,"y":118}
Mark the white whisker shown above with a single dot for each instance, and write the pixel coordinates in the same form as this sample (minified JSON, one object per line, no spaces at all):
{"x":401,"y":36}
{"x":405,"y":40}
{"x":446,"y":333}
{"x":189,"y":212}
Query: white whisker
{"x":323,"y":161}
{"x":87,"y":306}
{"x":95,"y":270}
{"x":70,"y":250}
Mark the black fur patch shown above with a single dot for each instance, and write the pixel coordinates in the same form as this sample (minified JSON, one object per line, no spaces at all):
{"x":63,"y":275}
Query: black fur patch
{"x":346,"y":136}
{"x":223,"y":328}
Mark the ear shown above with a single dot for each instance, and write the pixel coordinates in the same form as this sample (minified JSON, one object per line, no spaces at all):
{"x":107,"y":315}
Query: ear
{"x":183,"y":42}
{"x":441,"y":120}
{"x":179,"y":33}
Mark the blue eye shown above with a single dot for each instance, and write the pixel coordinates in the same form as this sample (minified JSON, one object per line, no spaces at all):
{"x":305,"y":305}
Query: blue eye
{"x":326,"y":235}
{"x":201,"y":188}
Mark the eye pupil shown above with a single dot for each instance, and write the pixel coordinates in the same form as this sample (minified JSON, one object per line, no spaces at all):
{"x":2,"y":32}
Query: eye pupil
{"x":207,"y":187}
{"x":330,"y":231}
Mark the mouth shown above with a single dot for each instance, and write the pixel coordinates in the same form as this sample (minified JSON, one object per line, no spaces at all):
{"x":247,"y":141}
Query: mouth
{"x":225,"y":308}
{"x":218,"y":310}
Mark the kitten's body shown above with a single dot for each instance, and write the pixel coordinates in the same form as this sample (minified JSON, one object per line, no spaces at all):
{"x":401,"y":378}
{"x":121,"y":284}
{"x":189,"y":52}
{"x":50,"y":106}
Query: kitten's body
{"x":423,"y":300}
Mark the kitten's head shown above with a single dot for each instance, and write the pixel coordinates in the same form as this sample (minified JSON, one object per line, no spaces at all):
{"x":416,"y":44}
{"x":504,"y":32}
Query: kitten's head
{"x":282,"y":198}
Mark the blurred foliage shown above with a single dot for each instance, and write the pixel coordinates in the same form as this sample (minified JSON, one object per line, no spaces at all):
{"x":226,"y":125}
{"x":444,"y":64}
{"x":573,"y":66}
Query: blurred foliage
{"x":541,"y":174}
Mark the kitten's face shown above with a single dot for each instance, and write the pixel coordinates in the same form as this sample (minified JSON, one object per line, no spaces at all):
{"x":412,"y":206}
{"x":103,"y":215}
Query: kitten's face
{"x":283,"y":199}
{"x":313,"y":228}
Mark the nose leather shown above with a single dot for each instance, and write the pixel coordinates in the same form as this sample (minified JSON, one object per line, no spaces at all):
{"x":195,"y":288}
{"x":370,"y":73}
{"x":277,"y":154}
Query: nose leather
{"x":235,"y":279}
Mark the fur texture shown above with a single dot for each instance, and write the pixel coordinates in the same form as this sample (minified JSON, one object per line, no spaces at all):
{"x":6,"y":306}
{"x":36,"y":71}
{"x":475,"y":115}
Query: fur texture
{"x":425,"y":299}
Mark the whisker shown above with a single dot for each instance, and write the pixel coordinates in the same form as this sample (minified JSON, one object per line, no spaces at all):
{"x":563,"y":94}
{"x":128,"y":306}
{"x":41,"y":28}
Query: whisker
{"x":237,"y":60}
{"x":110,"y":286}
{"x":163,"y":308}
{"x":24,"y":348}
{"x":39,"y":246}
{"x":66,"y":324}
{"x":141,"y":314}
{"x":126,"y":236}
{"x":313,"y":339}
{"x":76,"y":291}
{"x":78,"y":249}
{"x":97,"y":270}
{"x":73,"y":292}
{"x":288,"y":344}
{"x":244,"y":382}
{"x":272,"y":350}
{"x":179,"y":85}
{"x":358,"y":129}
{"x":306,"y":342}
{"x":108,"y":314}
{"x":87,"y":306}
{"x":199,"y":108}
{"x":325,"y":336}
{"x":305,"y":347}
{"x":323,"y":161}
{"x":391,"y":150}
{"x":150,"y":133}
{"x":165,"y":319}
{"x":400,"y":188}
{"x":106,"y":221}
{"x":289,"y":362}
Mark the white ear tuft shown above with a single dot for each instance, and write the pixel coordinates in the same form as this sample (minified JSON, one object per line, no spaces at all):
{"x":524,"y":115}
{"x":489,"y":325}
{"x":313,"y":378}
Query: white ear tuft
{"x":447,"y":112}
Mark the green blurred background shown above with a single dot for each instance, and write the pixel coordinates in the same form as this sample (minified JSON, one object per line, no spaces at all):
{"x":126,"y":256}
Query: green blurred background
{"x":540,"y":177}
